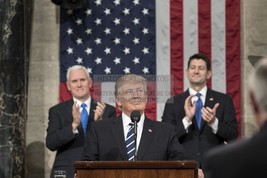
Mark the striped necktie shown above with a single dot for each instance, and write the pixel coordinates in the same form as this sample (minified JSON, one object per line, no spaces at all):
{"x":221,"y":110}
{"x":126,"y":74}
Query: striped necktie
{"x":130,"y":143}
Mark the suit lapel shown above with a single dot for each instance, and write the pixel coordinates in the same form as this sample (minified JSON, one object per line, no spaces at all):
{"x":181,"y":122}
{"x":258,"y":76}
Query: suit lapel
{"x":146,"y":139}
{"x":69,"y":105}
{"x":92,"y":108}
{"x":118,"y":134}
{"x":209,"y":102}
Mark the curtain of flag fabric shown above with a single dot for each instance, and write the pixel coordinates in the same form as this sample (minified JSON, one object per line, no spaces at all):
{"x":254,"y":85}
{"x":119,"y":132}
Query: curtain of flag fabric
{"x":153,"y":38}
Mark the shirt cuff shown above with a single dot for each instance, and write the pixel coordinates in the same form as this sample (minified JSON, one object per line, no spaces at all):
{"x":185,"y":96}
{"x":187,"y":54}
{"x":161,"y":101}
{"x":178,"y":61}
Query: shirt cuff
{"x":186,"y":124}
{"x":214,"y":126}
{"x":75,"y":131}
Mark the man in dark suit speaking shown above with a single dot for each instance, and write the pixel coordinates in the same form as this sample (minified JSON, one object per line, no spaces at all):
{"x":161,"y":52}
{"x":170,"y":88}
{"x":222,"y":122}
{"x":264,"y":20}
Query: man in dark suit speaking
{"x":203,"y":118}
{"x":108,"y":138}
{"x":246,"y":158}
{"x":69,"y":121}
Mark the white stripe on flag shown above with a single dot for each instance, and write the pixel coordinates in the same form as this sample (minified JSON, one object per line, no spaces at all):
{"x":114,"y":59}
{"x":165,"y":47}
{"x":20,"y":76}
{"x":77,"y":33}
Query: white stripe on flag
{"x":218,"y":53}
{"x":163,"y":53}
{"x":107,"y":93}
{"x":190,"y":31}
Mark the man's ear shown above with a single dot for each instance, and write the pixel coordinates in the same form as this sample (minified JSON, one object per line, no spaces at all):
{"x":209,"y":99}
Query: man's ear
{"x":117,"y":100}
{"x":67,"y":84}
{"x":90,"y":82}
{"x":209,"y":74}
{"x":253,"y":102}
{"x":119,"y":104}
{"x":186,"y":72}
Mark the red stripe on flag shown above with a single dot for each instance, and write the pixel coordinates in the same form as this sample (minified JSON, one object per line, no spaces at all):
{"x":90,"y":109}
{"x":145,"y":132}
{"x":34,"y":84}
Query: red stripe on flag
{"x":177,"y":57}
{"x":233,"y":61}
{"x":96,"y":91}
{"x":64,"y":92}
{"x":151,"y":108}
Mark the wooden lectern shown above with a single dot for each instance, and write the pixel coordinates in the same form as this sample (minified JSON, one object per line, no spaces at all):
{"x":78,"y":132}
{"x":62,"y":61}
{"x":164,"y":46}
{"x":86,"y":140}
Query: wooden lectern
{"x":136,"y":169}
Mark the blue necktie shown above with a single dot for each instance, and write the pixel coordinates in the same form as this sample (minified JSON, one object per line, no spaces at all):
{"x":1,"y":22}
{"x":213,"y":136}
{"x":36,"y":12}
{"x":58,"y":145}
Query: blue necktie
{"x":130,"y":143}
{"x":198,"y":113}
{"x":84,"y":117}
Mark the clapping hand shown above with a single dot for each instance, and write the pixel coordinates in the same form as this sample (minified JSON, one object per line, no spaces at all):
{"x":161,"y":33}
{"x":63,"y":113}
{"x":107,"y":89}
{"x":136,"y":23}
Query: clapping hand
{"x":100,"y":108}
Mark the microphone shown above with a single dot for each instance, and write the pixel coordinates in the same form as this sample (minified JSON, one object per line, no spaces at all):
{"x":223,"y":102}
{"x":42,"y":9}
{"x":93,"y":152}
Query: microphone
{"x":135,"y":117}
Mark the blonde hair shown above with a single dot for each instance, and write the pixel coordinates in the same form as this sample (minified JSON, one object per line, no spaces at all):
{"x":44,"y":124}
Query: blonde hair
{"x":129,"y":78}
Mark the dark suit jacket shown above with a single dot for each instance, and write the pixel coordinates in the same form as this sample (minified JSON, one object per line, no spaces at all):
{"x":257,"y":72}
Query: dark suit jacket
{"x":60,"y":137}
{"x":244,"y":159}
{"x":196,"y":142}
{"x":158,"y":142}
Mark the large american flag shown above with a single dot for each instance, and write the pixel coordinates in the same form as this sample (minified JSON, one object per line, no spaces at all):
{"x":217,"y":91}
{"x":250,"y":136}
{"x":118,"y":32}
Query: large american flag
{"x":153,"y":38}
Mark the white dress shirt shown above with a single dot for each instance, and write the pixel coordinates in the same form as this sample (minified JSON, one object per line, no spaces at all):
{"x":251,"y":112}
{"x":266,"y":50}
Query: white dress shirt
{"x":203,"y":93}
{"x":126,"y":120}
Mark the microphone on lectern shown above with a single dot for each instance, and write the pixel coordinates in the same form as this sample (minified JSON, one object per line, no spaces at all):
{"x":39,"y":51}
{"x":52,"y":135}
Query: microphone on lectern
{"x":135,"y":117}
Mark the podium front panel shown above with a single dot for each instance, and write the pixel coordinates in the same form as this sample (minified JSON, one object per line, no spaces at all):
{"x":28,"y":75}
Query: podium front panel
{"x":136,"y":169}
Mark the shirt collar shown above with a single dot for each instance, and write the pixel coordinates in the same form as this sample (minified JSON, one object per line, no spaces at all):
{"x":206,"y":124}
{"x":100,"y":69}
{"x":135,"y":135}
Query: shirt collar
{"x":203,"y":91}
{"x":126,"y":120}
{"x":87,"y":102}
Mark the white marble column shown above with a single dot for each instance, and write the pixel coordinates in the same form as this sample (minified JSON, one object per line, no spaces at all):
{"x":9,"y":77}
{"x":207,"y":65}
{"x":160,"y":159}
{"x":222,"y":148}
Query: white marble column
{"x":43,"y":86}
